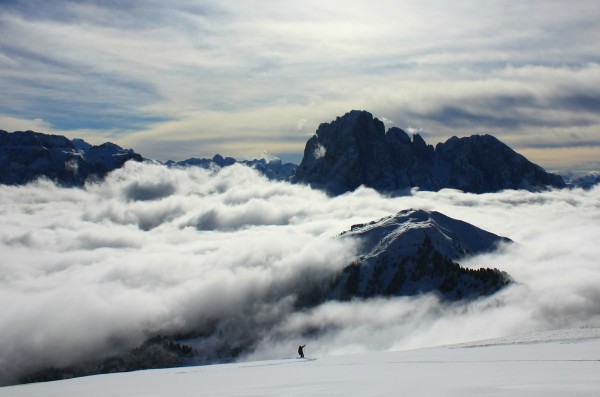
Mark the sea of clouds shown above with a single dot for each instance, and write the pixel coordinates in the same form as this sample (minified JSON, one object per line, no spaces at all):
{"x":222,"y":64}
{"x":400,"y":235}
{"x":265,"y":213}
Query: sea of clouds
{"x":86,"y":273}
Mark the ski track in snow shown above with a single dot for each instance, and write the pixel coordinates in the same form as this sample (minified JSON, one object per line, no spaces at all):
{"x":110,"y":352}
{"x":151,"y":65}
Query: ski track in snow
{"x":553,"y":363}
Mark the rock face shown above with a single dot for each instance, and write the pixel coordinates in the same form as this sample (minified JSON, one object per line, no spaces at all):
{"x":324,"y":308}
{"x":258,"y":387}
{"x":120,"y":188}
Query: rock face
{"x":355,"y":150}
{"x":348,"y":153}
{"x":481,"y":163}
{"x":412,"y":253}
{"x":26,"y":156}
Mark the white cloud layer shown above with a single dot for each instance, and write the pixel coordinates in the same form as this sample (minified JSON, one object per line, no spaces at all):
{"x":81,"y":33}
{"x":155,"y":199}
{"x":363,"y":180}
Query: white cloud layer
{"x":94,"y":271}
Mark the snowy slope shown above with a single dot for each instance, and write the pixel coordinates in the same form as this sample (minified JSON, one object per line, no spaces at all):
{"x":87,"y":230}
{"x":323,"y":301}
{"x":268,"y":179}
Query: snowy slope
{"x":555,"y":363}
{"x":400,"y":235}
{"x":412,"y":253}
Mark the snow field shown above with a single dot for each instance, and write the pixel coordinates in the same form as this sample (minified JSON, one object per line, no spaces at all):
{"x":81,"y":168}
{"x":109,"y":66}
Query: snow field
{"x":557,"y":363}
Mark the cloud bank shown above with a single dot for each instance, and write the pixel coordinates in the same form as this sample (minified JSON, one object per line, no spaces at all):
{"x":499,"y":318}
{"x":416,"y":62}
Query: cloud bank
{"x":95,"y":271}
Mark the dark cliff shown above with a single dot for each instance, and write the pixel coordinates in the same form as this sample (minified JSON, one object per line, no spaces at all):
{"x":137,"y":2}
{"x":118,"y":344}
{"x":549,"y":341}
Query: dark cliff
{"x":355,"y":150}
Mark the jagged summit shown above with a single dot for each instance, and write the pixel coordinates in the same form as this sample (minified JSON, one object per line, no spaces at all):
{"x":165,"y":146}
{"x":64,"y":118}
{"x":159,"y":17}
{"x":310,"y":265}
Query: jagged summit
{"x":355,"y":150}
{"x":412,"y":252}
{"x":347,"y":153}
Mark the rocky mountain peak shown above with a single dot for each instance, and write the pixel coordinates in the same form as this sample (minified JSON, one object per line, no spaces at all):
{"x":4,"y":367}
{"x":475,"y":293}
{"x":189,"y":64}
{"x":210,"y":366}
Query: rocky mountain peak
{"x":354,"y":150}
{"x":346,"y":153}
{"x":397,"y":135}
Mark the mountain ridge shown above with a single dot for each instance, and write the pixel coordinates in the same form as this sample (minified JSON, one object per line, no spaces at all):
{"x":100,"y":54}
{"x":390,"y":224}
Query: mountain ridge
{"x":28,"y":155}
{"x":351,"y":151}
{"x":271,"y":169}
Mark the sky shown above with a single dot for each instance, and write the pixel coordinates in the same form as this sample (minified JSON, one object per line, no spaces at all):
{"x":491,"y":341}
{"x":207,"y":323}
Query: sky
{"x":181,"y":79}
{"x":91,"y":272}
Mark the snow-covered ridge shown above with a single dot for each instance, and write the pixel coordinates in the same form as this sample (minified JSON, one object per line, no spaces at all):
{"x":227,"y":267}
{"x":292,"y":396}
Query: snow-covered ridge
{"x":401,"y":235}
{"x":412,"y":253}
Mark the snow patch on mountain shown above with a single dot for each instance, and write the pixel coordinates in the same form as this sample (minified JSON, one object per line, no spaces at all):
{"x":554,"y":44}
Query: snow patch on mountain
{"x":401,"y":235}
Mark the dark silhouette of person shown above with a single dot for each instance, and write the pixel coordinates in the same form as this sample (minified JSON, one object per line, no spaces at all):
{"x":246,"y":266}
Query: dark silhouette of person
{"x":301,"y":351}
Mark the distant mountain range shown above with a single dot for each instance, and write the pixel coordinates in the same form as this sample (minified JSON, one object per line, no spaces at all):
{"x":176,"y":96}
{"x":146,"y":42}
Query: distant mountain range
{"x":351,"y":151}
{"x":28,"y":155}
{"x":272,"y":169}
{"x":586,"y":181}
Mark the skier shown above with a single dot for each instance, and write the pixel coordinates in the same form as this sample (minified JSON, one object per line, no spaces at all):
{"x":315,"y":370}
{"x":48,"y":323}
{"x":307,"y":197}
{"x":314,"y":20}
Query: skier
{"x":301,"y":351}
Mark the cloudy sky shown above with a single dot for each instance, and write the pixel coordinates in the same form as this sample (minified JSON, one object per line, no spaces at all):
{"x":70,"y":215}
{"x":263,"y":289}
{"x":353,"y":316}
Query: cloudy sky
{"x":176,"y":79}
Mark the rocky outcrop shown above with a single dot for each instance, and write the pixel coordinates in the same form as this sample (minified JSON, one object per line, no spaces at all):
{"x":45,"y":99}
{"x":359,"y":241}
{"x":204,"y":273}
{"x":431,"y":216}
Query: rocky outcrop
{"x":26,"y":156}
{"x":413,"y":253}
{"x":355,"y":150}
